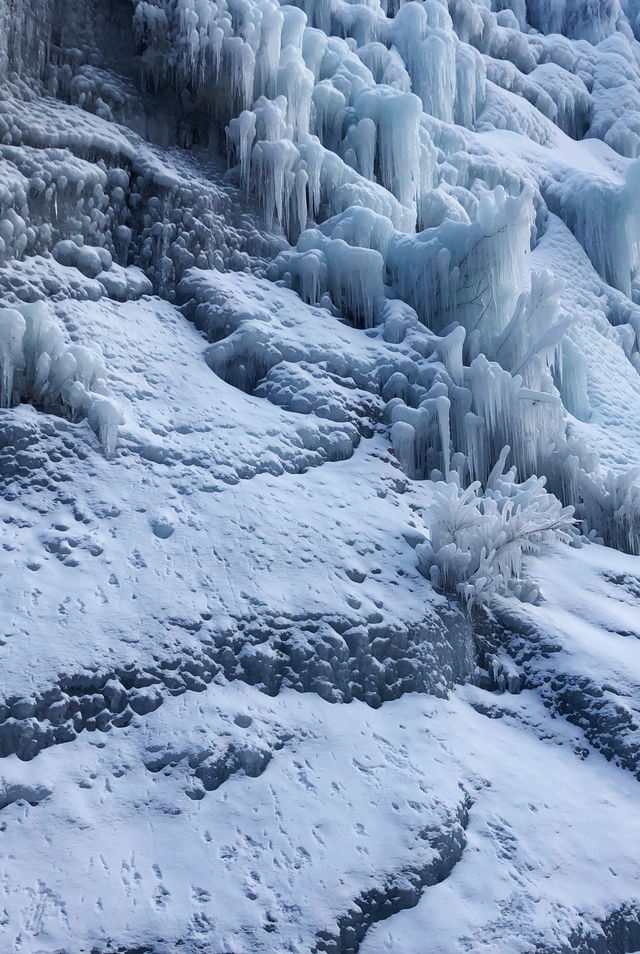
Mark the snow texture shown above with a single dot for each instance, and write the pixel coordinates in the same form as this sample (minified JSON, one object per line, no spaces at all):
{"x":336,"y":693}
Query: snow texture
{"x":319,"y":453}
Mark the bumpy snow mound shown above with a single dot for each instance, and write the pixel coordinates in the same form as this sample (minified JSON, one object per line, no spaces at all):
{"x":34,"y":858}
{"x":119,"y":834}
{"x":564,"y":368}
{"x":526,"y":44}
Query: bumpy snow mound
{"x":350,"y":295}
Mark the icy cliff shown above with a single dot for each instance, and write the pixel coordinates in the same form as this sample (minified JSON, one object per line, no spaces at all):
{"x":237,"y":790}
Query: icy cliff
{"x":319,"y":454}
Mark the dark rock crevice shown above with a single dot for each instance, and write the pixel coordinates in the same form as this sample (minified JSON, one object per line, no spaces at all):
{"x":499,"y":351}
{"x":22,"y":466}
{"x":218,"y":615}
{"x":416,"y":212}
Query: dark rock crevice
{"x":399,"y":891}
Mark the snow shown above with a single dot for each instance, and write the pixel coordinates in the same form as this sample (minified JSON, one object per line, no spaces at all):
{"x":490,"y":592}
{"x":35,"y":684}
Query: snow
{"x":319,"y":443}
{"x":271,"y":844}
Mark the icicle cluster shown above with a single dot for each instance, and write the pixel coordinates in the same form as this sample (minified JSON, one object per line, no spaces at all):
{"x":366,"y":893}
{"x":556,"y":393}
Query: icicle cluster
{"x":37,"y":366}
{"x":313,"y":119}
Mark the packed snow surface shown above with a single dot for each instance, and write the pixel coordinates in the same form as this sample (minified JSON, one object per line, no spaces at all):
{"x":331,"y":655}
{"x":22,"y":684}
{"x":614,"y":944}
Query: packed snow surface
{"x":320,"y":467}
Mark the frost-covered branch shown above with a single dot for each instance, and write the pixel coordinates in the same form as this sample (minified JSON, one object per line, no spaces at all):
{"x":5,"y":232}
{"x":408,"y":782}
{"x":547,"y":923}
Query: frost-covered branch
{"x":480,"y":536}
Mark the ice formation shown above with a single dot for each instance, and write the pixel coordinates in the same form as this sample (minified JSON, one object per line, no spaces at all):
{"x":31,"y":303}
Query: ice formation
{"x":39,"y":369}
{"x":319,"y":371}
{"x":340,"y":125}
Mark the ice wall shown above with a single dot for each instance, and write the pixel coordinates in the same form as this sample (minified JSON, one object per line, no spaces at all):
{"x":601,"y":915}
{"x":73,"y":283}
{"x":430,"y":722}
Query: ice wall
{"x":365,"y":136}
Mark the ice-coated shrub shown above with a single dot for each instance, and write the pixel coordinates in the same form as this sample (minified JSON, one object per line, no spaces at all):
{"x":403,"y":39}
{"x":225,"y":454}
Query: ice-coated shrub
{"x":479,"y":536}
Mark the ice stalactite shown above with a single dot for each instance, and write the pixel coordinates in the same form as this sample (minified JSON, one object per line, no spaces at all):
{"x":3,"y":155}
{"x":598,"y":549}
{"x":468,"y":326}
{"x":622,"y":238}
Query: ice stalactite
{"x":12,"y":329}
{"x":471,"y":78}
{"x":463,"y":427}
{"x":295,"y":83}
{"x":241,"y":133}
{"x":573,"y":381}
{"x":396,"y":117}
{"x":450,"y":349}
{"x":423,"y":35}
{"x":334,"y":187}
{"x":507,"y":412}
{"x":352,"y":275}
{"x":467,"y":273}
{"x":274,"y":164}
{"x":531,"y":343}
{"x":606,"y":221}
{"x":593,"y":21}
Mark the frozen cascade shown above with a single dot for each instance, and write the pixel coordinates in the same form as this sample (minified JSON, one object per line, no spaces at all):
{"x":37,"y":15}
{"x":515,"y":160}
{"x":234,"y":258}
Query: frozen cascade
{"x":321,"y":83}
{"x":352,"y":133}
{"x":593,"y":21}
{"x":468,"y":273}
{"x":606,"y":220}
{"x":319,"y":385}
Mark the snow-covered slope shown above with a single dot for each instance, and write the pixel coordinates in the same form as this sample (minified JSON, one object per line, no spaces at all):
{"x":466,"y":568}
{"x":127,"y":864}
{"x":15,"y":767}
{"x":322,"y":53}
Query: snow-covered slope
{"x":319,"y":435}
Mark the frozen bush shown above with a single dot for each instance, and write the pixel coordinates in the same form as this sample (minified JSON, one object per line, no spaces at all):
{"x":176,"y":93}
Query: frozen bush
{"x":479,"y":536}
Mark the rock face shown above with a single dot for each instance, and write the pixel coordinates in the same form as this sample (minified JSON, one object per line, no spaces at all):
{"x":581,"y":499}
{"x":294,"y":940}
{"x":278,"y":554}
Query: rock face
{"x":319,"y":417}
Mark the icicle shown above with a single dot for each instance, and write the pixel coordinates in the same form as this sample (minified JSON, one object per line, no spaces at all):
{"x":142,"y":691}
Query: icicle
{"x":443,"y":408}
{"x":471,"y":77}
{"x":12,"y":329}
{"x":104,"y":417}
{"x":274,"y":161}
{"x":268,"y":56}
{"x":241,"y":134}
{"x":295,"y":82}
{"x":396,"y":116}
{"x":450,"y":350}
{"x":403,"y":438}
